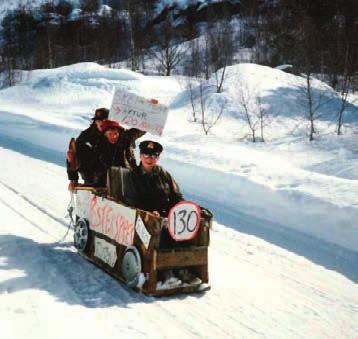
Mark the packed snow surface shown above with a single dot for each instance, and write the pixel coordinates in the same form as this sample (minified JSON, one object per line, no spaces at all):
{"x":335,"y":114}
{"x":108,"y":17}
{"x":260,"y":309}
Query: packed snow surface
{"x":283,"y":258}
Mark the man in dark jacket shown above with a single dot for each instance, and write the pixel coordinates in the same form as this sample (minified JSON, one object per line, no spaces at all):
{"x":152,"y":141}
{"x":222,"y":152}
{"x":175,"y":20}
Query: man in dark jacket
{"x":115,"y":149}
{"x":151,"y":187}
{"x":85,"y":144}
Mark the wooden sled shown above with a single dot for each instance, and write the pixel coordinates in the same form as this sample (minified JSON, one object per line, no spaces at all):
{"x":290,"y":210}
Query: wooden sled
{"x":135,"y":247}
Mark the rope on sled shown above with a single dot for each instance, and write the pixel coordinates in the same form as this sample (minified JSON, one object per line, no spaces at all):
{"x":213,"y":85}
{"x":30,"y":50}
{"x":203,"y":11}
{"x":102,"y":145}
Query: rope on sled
{"x":70,"y":209}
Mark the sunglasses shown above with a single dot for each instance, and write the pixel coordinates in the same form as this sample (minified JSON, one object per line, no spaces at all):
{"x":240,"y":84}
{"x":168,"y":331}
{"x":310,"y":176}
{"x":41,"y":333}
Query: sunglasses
{"x":153,"y":156}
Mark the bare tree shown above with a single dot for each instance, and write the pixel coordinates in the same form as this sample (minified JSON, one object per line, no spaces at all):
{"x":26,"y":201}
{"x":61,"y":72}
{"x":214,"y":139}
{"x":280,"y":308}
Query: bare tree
{"x":170,"y":51}
{"x":207,"y":58}
{"x":194,"y":66}
{"x":256,"y":115}
{"x":169,"y":56}
{"x":135,"y":14}
{"x":199,"y":96}
{"x":9,"y":67}
{"x":346,"y":84}
{"x":263,"y":117}
{"x":190,"y":87}
{"x":316,"y":100}
{"x":207,"y":123}
{"x":221,"y":42}
{"x":311,"y":111}
{"x":309,"y":48}
{"x":244,"y":100}
{"x":220,"y":79}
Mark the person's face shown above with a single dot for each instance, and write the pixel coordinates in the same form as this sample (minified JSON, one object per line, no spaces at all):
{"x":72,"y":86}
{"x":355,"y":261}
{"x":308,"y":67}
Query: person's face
{"x":112,"y":136}
{"x":149,"y":161}
{"x":99,"y":124}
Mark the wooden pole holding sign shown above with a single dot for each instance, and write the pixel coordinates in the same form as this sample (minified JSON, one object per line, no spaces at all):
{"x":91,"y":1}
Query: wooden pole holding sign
{"x":135,"y":111}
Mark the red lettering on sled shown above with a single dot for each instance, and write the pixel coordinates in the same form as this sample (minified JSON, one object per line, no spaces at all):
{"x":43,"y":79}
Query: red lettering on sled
{"x":106,"y":218}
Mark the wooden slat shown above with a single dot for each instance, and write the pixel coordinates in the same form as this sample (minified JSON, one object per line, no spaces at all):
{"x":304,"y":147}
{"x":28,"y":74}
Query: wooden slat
{"x":193,"y":257}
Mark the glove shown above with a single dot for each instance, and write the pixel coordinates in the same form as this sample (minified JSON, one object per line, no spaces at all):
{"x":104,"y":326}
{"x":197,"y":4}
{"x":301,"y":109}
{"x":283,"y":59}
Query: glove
{"x":70,"y":156}
{"x":72,"y":185}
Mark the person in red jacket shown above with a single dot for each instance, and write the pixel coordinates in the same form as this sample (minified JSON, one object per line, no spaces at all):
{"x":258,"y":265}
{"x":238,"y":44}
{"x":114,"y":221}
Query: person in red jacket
{"x":115,"y":149}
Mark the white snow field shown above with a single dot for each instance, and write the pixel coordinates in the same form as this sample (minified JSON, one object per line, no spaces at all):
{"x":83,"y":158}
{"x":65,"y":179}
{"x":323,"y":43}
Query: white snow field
{"x":283,"y":260}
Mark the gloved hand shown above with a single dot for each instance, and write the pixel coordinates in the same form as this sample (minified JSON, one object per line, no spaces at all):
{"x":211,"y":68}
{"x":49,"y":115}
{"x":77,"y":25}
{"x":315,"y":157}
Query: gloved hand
{"x":72,"y":185}
{"x":70,"y":156}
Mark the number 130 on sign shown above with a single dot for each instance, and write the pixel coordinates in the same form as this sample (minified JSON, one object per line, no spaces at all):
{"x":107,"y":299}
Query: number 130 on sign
{"x":184,"y":220}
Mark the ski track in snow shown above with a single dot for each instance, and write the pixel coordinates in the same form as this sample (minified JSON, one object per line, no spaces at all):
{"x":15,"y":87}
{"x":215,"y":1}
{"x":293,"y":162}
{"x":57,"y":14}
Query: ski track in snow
{"x":258,"y":289}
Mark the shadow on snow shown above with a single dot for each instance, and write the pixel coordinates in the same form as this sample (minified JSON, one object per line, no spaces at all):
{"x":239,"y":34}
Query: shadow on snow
{"x":59,"y":270}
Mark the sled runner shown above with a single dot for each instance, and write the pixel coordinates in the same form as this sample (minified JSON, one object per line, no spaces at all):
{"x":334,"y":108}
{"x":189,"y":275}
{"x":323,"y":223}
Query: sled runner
{"x":139,"y":248}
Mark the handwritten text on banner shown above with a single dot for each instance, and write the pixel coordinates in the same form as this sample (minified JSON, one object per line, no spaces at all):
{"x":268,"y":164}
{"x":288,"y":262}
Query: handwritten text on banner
{"x":113,"y":220}
{"x":135,"y":111}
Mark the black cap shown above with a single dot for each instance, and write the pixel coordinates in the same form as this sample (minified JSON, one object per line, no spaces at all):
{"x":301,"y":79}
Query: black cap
{"x":150,"y":147}
{"x":101,"y":114}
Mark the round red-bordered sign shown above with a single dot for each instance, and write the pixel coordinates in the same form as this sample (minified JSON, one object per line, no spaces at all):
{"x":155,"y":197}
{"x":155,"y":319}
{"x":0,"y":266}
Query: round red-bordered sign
{"x":184,"y":220}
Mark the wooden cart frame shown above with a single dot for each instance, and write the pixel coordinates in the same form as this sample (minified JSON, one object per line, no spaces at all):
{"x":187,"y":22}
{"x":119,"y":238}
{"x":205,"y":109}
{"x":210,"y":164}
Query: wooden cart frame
{"x":116,"y":229}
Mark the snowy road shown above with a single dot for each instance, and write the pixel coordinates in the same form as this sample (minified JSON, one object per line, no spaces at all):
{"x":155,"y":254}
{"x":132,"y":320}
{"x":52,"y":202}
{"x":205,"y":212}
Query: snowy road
{"x":271,"y":284}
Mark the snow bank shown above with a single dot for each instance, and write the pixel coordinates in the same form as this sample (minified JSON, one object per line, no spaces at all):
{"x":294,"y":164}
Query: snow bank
{"x":66,"y":94}
{"x":283,"y":207}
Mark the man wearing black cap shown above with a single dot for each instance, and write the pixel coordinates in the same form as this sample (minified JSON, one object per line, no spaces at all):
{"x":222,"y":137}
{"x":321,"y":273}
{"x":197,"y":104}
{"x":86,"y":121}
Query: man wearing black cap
{"x":151,"y":187}
{"x":84,"y":149}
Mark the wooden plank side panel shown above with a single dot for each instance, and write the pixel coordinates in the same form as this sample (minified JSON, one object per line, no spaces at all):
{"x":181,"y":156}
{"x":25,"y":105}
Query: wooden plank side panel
{"x":194,"y":257}
{"x":191,"y":254}
{"x":89,"y":253}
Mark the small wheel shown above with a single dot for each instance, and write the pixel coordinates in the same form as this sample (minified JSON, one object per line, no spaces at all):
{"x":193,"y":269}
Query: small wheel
{"x":131,"y":266}
{"x":80,"y":237}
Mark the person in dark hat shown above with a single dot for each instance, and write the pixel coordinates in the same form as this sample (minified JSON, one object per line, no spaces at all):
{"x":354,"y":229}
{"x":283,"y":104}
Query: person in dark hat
{"x":151,"y":187}
{"x":85,"y":144}
{"x":101,"y":114}
{"x":115,"y":149}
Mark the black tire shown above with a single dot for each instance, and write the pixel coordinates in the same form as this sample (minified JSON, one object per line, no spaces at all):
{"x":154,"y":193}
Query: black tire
{"x":131,"y":266}
{"x":81,"y":235}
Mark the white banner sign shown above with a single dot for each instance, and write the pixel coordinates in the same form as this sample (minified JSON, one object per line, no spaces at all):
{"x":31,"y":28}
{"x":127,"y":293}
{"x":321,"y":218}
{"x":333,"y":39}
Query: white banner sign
{"x":184,"y":220}
{"x":113,"y":220}
{"x":135,"y":111}
{"x":105,"y":251}
{"x":83,"y":199}
{"x":142,"y":232}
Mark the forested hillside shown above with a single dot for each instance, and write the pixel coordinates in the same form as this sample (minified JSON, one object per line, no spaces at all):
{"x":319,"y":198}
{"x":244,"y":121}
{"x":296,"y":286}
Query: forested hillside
{"x":314,"y":37}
